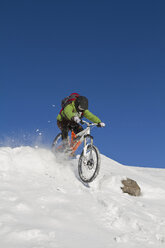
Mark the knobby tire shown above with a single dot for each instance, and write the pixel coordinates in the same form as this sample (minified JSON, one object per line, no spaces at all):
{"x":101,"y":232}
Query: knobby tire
{"x":81,"y":165}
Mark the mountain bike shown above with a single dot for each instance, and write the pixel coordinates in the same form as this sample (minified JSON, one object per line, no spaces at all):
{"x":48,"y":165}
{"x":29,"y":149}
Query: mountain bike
{"x":89,"y":160}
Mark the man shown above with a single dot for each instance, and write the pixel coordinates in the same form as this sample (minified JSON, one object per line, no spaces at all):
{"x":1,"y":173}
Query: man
{"x":70,"y":116}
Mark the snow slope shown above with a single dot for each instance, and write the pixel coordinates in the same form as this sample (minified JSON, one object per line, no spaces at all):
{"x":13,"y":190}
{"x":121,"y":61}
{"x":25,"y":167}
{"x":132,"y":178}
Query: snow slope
{"x":43,"y":204}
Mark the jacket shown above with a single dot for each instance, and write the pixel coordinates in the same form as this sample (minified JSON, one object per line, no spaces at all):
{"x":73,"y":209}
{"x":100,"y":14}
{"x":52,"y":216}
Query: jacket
{"x":70,"y":111}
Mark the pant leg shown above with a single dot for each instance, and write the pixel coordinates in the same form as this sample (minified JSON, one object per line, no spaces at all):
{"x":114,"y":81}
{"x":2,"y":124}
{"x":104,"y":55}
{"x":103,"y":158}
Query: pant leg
{"x":63,"y":126}
{"x":77,"y":128}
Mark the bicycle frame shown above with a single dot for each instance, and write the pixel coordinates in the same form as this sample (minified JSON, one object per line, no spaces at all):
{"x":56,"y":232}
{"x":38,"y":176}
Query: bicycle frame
{"x":83,"y":135}
{"x":89,"y":159}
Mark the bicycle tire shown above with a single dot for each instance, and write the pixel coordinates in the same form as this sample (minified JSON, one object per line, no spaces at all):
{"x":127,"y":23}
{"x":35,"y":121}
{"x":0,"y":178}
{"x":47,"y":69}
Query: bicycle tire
{"x":55,"y":142}
{"x":82,"y":164}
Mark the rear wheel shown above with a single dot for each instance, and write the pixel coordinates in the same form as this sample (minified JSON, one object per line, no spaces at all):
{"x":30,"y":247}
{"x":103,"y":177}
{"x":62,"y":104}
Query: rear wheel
{"x":89,"y":164}
{"x":61,"y":146}
{"x":57,"y":144}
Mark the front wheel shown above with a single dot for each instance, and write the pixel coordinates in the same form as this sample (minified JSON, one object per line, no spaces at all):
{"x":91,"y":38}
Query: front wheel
{"x":89,"y":164}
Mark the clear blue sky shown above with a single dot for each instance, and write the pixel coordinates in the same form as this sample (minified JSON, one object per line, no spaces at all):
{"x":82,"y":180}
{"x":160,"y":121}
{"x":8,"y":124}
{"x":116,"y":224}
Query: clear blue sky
{"x":113,"y":52}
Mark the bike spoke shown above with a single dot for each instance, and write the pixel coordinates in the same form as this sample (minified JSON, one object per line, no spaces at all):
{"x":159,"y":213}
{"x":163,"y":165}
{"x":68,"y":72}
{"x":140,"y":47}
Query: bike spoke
{"x":89,"y":165}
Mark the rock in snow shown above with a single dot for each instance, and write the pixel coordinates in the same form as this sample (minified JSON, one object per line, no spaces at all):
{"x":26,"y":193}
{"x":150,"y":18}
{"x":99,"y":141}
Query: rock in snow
{"x":131,"y":187}
{"x":43,"y":204}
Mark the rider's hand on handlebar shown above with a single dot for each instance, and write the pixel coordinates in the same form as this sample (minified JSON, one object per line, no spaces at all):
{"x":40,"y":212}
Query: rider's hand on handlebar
{"x":101,"y":124}
{"x":82,"y":122}
{"x":76,"y":119}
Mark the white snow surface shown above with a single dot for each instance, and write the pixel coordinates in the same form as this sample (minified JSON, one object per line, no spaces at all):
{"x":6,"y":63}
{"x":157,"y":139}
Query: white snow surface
{"x":43,"y":204}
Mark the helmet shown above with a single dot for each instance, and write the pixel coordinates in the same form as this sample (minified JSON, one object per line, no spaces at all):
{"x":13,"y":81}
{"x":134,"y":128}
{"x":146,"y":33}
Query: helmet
{"x":81,"y":103}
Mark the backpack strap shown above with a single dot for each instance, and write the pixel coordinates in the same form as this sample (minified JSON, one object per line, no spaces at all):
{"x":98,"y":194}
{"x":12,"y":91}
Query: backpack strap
{"x":68,"y":100}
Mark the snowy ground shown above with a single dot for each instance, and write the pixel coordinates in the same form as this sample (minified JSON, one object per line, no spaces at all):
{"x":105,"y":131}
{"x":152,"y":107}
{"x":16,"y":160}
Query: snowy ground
{"x":43,"y":204}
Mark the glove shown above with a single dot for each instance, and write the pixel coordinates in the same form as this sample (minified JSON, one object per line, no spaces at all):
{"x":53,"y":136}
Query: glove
{"x":76,"y":119}
{"x":101,"y":124}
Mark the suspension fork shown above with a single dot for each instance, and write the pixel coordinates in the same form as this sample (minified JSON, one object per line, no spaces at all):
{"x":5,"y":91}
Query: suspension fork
{"x":85,"y":144}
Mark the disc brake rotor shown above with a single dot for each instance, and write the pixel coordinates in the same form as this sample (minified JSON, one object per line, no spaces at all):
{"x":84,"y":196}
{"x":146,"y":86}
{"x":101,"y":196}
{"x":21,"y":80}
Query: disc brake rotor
{"x":90,"y":164}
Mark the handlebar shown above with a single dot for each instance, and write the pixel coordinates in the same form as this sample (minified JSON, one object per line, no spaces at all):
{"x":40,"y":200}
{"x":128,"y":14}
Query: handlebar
{"x":88,"y":123}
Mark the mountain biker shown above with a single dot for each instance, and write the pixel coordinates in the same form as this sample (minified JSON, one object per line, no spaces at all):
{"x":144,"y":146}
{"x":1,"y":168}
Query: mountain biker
{"x":70,"y":117}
